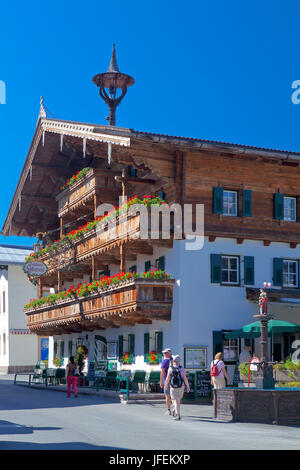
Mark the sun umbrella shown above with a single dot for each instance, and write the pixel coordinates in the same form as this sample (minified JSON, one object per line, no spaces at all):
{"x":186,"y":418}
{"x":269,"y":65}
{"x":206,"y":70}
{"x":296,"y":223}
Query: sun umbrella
{"x":252,"y":330}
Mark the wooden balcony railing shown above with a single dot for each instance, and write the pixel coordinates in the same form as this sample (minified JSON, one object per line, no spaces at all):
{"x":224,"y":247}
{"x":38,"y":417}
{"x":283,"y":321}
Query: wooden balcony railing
{"x":104,"y":241}
{"x":96,"y":182}
{"x":126,"y":303}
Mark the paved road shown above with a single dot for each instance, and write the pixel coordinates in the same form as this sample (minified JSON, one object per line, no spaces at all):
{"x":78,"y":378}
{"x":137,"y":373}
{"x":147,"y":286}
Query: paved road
{"x":44,"y":419}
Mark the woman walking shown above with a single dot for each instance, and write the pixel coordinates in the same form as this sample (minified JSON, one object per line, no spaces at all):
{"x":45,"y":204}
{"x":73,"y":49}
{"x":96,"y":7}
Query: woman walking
{"x":177,"y":378}
{"x":218,"y":372}
{"x":71,"y":371}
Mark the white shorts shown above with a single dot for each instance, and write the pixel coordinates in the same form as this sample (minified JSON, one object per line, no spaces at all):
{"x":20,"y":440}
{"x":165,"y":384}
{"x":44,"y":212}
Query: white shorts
{"x":219,"y":382}
{"x":176,"y":393}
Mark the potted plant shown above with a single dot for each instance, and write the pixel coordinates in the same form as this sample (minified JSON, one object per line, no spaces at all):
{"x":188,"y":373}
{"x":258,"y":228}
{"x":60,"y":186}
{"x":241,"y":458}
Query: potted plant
{"x":288,"y":371}
{"x":127,"y":359}
{"x":80,"y":358}
{"x":57,"y":361}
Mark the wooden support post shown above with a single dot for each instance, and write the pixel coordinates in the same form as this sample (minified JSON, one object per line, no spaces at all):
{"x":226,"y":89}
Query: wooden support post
{"x":59,"y":281}
{"x":122,"y":246}
{"x":93,"y":269}
{"x":95,"y":206}
{"x":40,"y":288}
{"x":61,"y":227}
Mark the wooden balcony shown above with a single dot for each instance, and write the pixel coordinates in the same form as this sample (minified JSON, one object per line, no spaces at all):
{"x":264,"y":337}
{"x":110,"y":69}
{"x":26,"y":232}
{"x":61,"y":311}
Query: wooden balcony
{"x":127,"y":303}
{"x":96,"y":186}
{"x":103,"y":243}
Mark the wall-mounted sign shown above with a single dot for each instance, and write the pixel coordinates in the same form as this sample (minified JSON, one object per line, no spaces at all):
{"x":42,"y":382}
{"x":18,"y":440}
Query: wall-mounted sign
{"x":195,"y":357}
{"x":35,"y":268}
{"x":112,"y":349}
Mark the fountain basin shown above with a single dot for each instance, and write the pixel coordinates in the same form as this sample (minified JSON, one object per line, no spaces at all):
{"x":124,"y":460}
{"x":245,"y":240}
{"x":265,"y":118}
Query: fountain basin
{"x":252,"y":405}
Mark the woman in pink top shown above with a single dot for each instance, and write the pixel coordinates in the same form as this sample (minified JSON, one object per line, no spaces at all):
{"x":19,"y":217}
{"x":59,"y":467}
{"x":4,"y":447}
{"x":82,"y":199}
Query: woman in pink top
{"x":175,"y":370}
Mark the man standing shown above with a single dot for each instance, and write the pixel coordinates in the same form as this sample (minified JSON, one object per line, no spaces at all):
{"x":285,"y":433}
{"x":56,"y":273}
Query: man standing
{"x":245,"y":355}
{"x":166,"y":363}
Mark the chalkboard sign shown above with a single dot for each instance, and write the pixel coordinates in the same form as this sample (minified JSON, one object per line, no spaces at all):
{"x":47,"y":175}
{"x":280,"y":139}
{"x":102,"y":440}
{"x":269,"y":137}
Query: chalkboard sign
{"x":236,"y":377}
{"x":191,"y":380}
{"x":203,"y":387}
{"x":203,"y":384}
{"x":91,"y":371}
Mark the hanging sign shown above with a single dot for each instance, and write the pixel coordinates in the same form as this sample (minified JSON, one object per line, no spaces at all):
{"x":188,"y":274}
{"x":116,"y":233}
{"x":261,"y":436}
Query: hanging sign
{"x":35,"y":268}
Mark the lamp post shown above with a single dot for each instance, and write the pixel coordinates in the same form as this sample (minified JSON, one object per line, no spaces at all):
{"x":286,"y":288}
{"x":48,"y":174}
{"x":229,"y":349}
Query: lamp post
{"x":113,"y":80}
{"x":265,"y":378}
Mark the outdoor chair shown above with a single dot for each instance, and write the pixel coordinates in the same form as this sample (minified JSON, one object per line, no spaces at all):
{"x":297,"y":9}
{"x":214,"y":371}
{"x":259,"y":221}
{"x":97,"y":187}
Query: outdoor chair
{"x":50,"y":376}
{"x":60,"y":376}
{"x":111,"y":380}
{"x":139,"y":377}
{"x":154,"y":381}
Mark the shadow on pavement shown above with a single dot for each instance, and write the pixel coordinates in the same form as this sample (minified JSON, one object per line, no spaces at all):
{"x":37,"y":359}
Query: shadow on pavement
{"x":11,"y":445}
{"x":7,"y":427}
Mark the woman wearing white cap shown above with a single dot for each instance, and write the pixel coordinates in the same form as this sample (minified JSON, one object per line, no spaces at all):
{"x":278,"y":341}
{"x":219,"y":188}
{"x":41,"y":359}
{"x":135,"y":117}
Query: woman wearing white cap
{"x":177,"y":378}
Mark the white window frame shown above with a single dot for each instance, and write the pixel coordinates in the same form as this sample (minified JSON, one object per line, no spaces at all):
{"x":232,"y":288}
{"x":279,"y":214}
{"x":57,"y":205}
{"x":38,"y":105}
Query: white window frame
{"x":289,"y":214}
{"x":226,"y":194}
{"x":237,"y":283}
{"x":287,"y":262}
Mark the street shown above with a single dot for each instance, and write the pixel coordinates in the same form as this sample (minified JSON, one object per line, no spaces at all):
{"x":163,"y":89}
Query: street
{"x":34,"y":419}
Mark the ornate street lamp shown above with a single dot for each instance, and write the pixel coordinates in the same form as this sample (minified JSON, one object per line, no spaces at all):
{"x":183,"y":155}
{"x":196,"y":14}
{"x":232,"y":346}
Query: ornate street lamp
{"x":265,"y":378}
{"x":113,"y":80}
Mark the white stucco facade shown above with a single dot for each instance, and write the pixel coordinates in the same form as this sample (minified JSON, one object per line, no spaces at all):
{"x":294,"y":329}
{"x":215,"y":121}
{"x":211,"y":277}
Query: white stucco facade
{"x":199,"y":305}
{"x":18,"y":347}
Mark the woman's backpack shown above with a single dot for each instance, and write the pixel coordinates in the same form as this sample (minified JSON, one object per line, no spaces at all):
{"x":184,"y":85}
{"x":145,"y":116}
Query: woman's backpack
{"x":214,"y":371}
{"x":176,"y":378}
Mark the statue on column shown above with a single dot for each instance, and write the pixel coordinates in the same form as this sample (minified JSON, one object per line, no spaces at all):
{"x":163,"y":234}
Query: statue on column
{"x":263,"y":302}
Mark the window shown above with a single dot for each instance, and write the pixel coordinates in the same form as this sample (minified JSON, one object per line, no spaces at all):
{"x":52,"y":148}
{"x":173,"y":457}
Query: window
{"x":147,"y":265}
{"x":289,"y":204}
{"x":229,"y":202}
{"x":290,"y":273}
{"x":132,"y":269}
{"x":230,"y":270}
{"x":3,"y":302}
{"x":4,"y":343}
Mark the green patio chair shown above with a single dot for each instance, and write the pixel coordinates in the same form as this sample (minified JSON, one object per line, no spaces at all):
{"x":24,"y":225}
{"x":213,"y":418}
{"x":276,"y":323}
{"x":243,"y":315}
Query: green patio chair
{"x":154,"y":381}
{"x":139,"y":377}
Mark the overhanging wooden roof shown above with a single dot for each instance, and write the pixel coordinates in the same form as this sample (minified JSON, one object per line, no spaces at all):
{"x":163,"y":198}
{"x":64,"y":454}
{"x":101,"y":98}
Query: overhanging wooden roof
{"x":59,"y":148}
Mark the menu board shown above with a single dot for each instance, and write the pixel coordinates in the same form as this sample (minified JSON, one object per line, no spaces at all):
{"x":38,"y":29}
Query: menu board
{"x":195,"y":357}
{"x":202,"y":384}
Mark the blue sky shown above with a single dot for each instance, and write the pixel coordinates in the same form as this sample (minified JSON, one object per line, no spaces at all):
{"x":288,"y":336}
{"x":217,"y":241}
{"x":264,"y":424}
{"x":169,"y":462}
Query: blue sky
{"x":214,"y":70}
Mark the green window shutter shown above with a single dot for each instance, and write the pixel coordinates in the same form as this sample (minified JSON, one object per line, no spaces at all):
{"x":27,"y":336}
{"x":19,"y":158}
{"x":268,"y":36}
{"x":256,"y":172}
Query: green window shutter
{"x":132,"y":171}
{"x":147,"y":265}
{"x":249,"y":270}
{"x":132,"y":269}
{"x":215,"y":268}
{"x":104,"y":273}
{"x":161,"y":194}
{"x":247,"y":203}
{"x":159,"y":341}
{"x":62,"y":349}
{"x":70,"y":348}
{"x":131,"y":345}
{"x":217,"y":200}
{"x":278,"y":206}
{"x":217,"y":342}
{"x":55,"y":350}
{"x":121,"y":346}
{"x":277,"y":271}
{"x":161,"y":263}
{"x":146,"y":344}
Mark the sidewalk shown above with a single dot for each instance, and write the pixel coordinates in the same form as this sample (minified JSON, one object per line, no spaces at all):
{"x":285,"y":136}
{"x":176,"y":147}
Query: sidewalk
{"x":121,"y":397}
